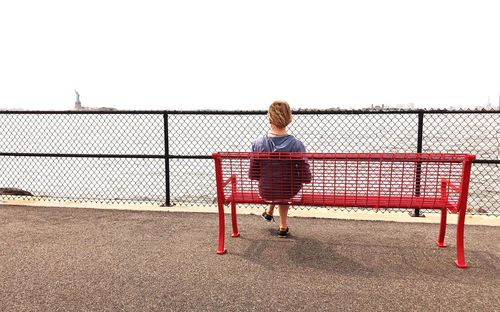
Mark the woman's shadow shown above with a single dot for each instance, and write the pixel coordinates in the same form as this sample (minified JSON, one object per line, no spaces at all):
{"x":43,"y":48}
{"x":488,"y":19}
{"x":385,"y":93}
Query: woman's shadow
{"x":303,"y":252}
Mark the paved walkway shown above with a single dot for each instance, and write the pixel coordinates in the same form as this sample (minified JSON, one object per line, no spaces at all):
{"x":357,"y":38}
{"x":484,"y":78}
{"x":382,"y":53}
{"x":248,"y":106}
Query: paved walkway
{"x":66,"y":259}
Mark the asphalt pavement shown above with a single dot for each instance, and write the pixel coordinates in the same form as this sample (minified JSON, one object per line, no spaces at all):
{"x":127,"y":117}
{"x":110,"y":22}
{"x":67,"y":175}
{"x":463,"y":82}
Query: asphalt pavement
{"x":67,"y":259}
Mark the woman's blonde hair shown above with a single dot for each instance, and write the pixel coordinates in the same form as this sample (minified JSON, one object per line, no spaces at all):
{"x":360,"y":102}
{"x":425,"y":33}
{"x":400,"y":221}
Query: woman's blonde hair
{"x":280,"y":114}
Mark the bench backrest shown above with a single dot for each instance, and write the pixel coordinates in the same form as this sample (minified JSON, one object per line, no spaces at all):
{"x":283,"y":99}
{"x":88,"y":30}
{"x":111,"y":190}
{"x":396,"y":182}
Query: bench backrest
{"x":367,"y":179}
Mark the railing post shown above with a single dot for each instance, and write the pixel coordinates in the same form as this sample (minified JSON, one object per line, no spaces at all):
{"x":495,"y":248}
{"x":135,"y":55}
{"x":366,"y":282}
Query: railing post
{"x":167,"y":160}
{"x":420,"y":133}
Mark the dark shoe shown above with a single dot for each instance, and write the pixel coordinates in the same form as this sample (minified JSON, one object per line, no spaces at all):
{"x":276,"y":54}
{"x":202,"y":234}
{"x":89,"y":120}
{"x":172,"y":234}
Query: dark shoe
{"x":267,"y":217}
{"x":283,"y":233}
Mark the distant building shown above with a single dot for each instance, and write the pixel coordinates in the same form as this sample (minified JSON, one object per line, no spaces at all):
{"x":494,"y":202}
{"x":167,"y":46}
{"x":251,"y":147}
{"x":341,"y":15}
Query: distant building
{"x":84,"y":108}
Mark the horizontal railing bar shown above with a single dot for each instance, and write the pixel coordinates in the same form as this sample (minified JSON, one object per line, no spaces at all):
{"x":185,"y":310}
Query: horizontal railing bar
{"x":81,"y":155}
{"x":487,"y":161}
{"x":248,"y":112}
{"x":189,"y":157}
{"x":104,"y":156}
{"x":479,"y":161}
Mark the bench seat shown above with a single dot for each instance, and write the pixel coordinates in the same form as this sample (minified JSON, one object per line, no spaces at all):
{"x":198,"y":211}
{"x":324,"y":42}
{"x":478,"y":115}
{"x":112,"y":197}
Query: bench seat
{"x":410,"y":202}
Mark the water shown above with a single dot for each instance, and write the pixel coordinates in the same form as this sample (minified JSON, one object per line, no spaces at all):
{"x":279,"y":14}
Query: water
{"x":192,"y":180}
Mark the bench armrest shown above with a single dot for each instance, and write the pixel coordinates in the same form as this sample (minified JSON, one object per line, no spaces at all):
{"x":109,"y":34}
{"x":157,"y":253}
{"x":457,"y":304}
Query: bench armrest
{"x":445,"y":183}
{"x":230,"y":179}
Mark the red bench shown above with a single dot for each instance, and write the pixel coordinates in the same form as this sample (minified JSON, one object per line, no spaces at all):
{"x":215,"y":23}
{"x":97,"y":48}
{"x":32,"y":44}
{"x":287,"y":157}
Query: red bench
{"x":367,"y":180}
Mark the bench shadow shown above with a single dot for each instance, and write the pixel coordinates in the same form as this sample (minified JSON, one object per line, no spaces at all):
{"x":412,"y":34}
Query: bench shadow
{"x":358,"y":258}
{"x":373,"y":260}
{"x":300,"y":252}
{"x":316,"y":255}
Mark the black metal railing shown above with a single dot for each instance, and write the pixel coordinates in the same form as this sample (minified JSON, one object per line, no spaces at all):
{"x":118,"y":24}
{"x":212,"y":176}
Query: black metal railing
{"x":165,"y":156}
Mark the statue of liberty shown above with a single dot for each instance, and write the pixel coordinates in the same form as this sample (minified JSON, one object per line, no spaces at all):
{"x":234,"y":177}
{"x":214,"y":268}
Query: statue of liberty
{"x":77,"y":96}
{"x":78,"y":104}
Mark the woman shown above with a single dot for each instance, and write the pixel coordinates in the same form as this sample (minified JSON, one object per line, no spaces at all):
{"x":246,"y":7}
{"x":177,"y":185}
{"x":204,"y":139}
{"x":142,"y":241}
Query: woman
{"x":279,"y":179}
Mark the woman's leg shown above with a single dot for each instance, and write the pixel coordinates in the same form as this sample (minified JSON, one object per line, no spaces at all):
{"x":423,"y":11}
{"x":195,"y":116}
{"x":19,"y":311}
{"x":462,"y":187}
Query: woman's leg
{"x":283,"y":216}
{"x":270,"y":210}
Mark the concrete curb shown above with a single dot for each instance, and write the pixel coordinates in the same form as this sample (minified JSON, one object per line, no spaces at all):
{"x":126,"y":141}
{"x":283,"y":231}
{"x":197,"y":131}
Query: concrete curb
{"x":298,"y":212}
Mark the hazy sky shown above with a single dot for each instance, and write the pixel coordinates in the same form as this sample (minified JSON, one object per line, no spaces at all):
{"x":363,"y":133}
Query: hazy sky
{"x":190,"y":54}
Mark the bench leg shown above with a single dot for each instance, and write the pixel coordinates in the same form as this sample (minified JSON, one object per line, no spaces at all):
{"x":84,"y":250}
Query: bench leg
{"x":460,"y":261}
{"x":234,"y":221}
{"x":220,"y":249}
{"x":442,"y":228}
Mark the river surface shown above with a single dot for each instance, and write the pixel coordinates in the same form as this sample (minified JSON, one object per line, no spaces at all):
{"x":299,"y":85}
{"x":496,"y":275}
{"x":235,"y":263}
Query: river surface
{"x":192,"y":180}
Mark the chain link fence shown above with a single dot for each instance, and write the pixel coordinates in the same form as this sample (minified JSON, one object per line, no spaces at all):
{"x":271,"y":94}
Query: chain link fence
{"x":165,"y":157}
